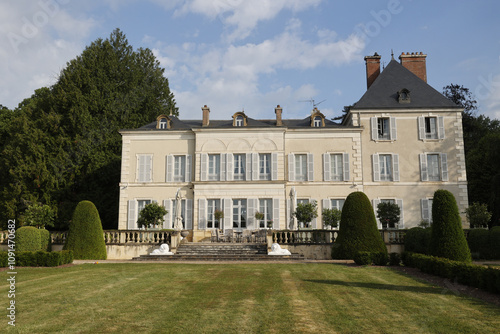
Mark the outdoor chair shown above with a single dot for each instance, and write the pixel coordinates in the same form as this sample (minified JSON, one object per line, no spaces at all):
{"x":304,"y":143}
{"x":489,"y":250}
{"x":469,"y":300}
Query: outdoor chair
{"x":246,"y":236}
{"x":228,"y":235}
{"x":214,"y":236}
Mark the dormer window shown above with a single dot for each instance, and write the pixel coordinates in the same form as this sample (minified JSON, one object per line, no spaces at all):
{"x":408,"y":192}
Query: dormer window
{"x":404,"y":96}
{"x":239,"y":119}
{"x":317,"y":122}
{"x":317,"y":119}
{"x":163,"y":122}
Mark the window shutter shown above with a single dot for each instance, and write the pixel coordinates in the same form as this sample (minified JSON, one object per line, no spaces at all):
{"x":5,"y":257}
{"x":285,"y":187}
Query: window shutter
{"x":346,"y":167}
{"x":376,"y":202}
{"x":291,"y":167}
{"x":189,"y":163}
{"x":204,"y":167}
{"x":326,"y":166}
{"x":425,"y":209}
{"x":167,"y":204}
{"x":131,"y":219}
{"x":255,"y":166}
{"x":288,"y":212}
{"x":230,"y":167}
{"x":440,"y":120}
{"x":228,"y":213}
{"x":202,"y":213}
{"x":423,"y":167}
{"x":252,"y":208}
{"x":376,"y":167}
{"x":395,"y":167}
{"x":399,"y":202}
{"x":145,"y":168}
{"x":310,"y":167}
{"x":393,"y":128}
{"x":421,"y":127}
{"x":222,"y":171}
{"x":314,"y":222}
{"x":170,"y":168}
{"x":149,"y":168}
{"x":444,"y":167}
{"x":276,"y":213}
{"x":248,"y":166}
{"x":189,"y":214}
{"x":274,"y":166}
{"x":373,"y":121}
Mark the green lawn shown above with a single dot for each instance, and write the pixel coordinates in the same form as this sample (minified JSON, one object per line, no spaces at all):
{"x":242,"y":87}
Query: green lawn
{"x":237,"y":298}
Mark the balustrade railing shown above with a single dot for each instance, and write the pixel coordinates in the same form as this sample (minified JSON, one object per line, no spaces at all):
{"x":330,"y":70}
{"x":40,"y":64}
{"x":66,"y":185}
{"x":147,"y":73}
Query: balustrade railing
{"x":305,"y":237}
{"x":120,"y":237}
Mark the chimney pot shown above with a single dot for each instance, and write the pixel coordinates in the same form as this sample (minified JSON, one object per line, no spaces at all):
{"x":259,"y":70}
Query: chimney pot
{"x":278,"y":110}
{"x":416,"y":63}
{"x":206,"y":116}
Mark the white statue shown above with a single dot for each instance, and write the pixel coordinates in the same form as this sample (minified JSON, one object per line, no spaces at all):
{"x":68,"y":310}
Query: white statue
{"x":277,"y":250}
{"x":163,"y":250}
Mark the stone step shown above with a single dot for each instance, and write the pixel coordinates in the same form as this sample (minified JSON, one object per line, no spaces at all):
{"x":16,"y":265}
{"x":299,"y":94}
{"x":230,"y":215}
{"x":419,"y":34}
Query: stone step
{"x":167,"y":258}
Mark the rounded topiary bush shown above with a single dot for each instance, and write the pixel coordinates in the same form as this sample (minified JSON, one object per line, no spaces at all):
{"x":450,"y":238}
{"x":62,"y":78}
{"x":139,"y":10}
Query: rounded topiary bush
{"x":417,"y":240}
{"x":85,"y":236}
{"x":45,"y":242}
{"x":447,"y":238}
{"x":358,"y":230}
{"x":477,"y":240}
{"x":28,"y":239}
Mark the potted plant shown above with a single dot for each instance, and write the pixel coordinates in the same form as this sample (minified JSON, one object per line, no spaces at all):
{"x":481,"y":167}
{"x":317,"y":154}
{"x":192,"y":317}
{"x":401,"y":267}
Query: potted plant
{"x":331,"y":217}
{"x":306,"y":212}
{"x":270,"y":223}
{"x":389,"y":214}
{"x":259,"y":216}
{"x":218,"y":214}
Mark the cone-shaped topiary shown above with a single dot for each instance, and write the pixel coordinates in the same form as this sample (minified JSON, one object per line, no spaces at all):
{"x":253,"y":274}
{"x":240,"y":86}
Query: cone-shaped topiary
{"x":85,"y":236}
{"x":358,"y":229}
{"x":28,"y":239}
{"x":447,"y":238}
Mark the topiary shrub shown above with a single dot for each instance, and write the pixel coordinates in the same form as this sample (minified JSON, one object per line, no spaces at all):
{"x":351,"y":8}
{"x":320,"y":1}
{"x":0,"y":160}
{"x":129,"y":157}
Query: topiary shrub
{"x":447,"y":238}
{"x":493,"y":248}
{"x":85,"y":236}
{"x":28,"y":239}
{"x":358,"y":229}
{"x":45,"y":242}
{"x":363,"y":258}
{"x":417,"y":240}
{"x":477,"y":240}
{"x":395,"y":259}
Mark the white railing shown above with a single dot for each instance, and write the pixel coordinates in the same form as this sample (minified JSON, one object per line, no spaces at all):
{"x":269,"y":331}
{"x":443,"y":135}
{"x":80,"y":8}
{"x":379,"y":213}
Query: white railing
{"x":305,"y":237}
{"x":122,"y":237}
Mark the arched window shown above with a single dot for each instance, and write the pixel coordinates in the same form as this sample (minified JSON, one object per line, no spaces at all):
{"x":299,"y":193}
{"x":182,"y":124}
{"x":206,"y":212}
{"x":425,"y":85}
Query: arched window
{"x":317,"y":121}
{"x":238,"y":121}
{"x":163,"y":123}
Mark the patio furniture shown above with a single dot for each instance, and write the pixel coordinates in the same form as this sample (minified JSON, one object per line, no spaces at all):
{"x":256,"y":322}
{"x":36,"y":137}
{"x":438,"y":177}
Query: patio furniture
{"x":247,"y":236}
{"x":229,"y":235}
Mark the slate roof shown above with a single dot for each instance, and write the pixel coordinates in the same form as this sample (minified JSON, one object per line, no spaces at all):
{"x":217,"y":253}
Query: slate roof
{"x":383,"y":93}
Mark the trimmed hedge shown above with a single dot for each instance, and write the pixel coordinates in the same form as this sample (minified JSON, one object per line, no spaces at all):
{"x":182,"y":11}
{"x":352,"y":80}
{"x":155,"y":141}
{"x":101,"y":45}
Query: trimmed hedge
{"x":368,"y":258}
{"x":358,"y":230}
{"x":85,"y":236}
{"x":485,"y":244}
{"x":447,"y":237}
{"x":38,"y":258}
{"x":417,"y":240}
{"x":486,"y":278}
{"x":45,"y":242}
{"x":28,"y":239}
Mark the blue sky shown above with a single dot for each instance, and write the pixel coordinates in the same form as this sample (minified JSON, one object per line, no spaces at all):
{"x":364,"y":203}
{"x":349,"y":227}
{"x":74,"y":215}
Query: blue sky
{"x":251,"y":55}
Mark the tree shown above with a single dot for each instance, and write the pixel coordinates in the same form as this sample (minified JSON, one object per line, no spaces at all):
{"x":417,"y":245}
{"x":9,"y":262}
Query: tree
{"x":39,"y":215}
{"x":478,"y":215}
{"x":447,"y":236}
{"x":389,"y":214}
{"x":151,"y":215}
{"x":358,"y":229}
{"x":85,"y":236}
{"x":331,"y":217}
{"x":306,"y":212}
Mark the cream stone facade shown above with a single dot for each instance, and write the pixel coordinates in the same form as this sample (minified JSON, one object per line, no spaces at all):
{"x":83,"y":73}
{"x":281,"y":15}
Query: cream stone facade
{"x":400,"y":142}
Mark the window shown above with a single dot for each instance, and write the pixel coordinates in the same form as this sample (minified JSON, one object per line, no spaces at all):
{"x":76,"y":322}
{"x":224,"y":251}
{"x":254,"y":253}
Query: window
{"x":337,"y":170}
{"x":433,"y":167}
{"x":238,"y":121}
{"x":383,"y":128}
{"x":214,"y":167}
{"x":163,"y":123}
{"x":337,"y":204}
{"x":213,"y":205}
{"x":141,"y":204}
{"x":300,"y":167}
{"x":426,"y":206}
{"x":336,"y":166}
{"x":317,"y":121}
{"x":144,"y":170}
{"x":179,"y":168}
{"x":399,"y":203}
{"x":385,"y":167}
{"x":431,"y":127}
{"x":266,"y":207}
{"x":239,"y":213}
{"x":239,"y":166}
{"x":265,"y":166}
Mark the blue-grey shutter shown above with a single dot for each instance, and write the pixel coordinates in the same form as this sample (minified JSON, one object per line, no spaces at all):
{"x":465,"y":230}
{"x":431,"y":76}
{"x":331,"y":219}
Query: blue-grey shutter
{"x":376,"y":167}
{"x":399,"y":202}
{"x":229,"y":167}
{"x":204,"y":167}
{"x":444,"y":167}
{"x":202,"y":213}
{"x":222,"y":171}
{"x":440,"y":127}
{"x":291,"y":167}
{"x":189,"y":214}
{"x":310,"y":167}
{"x":189,"y":164}
{"x":421,"y":127}
{"x":228,"y":213}
{"x":132,"y":213}
{"x":248,"y":167}
{"x":255,"y":166}
{"x":374,"y":125}
{"x":170,"y":168}
{"x":288,"y":210}
{"x":346,"y":167}
{"x":375,"y":204}
{"x":393,"y":128}
{"x":252,"y":208}
{"x":314,"y":222}
{"x":326,"y":166}
{"x":167,"y":204}
{"x":276,"y":213}
{"x":423,"y":167}
{"x":424,"y":202}
{"x":274,"y":166}
{"x":395,"y":167}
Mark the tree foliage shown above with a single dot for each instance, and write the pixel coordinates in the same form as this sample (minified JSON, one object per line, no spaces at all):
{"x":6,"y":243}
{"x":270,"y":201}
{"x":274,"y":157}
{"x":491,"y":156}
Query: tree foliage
{"x":306,"y":212}
{"x":62,"y":144}
{"x":39,"y":215}
{"x":151,"y":215}
{"x":389,"y":214}
{"x":478,"y":215}
{"x":331,"y":217}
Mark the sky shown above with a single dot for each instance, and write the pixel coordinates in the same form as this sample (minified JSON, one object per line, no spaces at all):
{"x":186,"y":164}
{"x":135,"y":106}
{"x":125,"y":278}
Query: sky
{"x":251,"y":55}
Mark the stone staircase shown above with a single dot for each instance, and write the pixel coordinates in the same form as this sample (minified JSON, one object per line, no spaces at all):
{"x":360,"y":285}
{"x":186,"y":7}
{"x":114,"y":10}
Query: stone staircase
{"x":212,"y":251}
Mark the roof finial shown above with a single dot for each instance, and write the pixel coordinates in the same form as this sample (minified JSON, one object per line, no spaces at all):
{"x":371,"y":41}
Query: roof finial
{"x":392,"y":54}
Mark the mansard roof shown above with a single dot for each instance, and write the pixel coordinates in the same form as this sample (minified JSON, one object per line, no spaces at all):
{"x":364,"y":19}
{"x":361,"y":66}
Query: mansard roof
{"x":394,"y":79}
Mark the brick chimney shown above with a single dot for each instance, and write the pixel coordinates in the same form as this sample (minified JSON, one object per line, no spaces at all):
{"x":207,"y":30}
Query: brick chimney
{"x":278,"y":110}
{"x":372,"y":69}
{"x":206,"y":114}
{"x":415,"y":62}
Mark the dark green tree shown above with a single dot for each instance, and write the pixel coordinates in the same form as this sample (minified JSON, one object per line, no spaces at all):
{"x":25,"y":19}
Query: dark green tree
{"x":306,"y":212}
{"x":331,"y":217}
{"x":358,"y":229}
{"x":447,"y":236}
{"x":39,"y":215}
{"x":389,"y":214}
{"x":85,"y":236}
{"x":151,"y":215}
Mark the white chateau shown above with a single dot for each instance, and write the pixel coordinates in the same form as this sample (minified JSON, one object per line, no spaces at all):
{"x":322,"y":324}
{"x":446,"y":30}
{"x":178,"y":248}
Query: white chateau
{"x":400,"y":142}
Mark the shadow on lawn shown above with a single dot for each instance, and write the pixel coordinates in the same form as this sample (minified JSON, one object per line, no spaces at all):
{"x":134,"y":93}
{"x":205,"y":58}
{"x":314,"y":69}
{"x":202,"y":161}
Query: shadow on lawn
{"x":379,"y":286}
